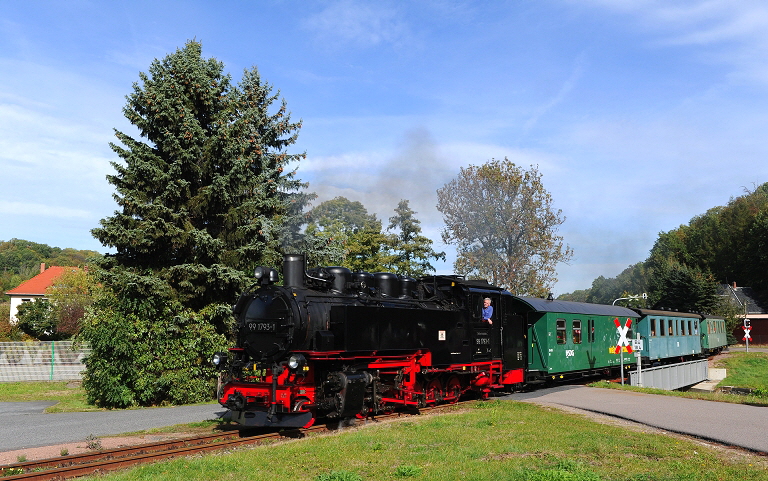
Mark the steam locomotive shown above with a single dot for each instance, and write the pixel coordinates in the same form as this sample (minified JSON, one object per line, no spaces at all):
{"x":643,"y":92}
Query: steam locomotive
{"x":333,"y":343}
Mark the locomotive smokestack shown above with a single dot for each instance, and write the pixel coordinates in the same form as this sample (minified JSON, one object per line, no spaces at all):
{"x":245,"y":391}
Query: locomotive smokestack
{"x":293,"y":270}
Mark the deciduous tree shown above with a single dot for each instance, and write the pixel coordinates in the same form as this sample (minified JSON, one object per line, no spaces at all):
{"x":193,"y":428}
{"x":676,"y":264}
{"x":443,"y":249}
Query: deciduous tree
{"x":502,"y":221}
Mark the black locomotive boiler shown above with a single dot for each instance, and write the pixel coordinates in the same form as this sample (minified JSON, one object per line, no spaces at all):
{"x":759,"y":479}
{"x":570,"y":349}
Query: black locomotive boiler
{"x":329,"y":342}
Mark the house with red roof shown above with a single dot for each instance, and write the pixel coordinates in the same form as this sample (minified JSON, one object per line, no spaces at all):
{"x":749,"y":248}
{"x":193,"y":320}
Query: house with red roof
{"x":35,"y":288}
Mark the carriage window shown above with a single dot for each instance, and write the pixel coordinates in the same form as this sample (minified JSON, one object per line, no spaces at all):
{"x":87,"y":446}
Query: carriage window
{"x":690,"y":328}
{"x":561,"y":331}
{"x":591,"y":330}
{"x":577,"y":332}
{"x":662,"y":329}
{"x":653,"y":327}
{"x":671,"y":327}
{"x":696,"y":327}
{"x":683,"y":332}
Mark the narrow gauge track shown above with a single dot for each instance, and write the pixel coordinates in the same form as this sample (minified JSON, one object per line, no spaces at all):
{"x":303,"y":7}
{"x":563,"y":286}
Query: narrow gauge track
{"x":66,"y":467}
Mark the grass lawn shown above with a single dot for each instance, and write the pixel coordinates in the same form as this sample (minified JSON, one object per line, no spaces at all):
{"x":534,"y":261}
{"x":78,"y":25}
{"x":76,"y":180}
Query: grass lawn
{"x":494,"y":440}
{"x":746,"y":369}
{"x":70,"y":395}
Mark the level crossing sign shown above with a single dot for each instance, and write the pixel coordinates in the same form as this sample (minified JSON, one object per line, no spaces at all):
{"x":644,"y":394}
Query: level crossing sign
{"x":623,"y":340}
{"x":746,"y":333}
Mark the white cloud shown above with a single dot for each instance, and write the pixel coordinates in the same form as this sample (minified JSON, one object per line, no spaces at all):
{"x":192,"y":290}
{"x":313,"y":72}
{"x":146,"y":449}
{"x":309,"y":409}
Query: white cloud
{"x":31,"y":209}
{"x":360,"y":24}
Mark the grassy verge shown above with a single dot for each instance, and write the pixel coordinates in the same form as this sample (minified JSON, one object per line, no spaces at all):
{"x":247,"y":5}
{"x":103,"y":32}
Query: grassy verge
{"x":495,"y":440}
{"x":707,"y":396}
{"x":746,"y":369}
{"x":69,"y":397}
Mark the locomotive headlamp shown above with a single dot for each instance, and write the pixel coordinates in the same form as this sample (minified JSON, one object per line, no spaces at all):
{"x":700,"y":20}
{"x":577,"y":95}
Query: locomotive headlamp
{"x":296,"y":361}
{"x":219,"y":359}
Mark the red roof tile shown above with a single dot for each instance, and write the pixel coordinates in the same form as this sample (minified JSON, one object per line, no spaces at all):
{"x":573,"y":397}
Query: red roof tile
{"x":38,"y":284}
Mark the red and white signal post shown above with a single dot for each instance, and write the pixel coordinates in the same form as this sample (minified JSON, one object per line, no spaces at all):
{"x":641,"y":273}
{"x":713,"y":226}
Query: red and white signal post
{"x":747,"y":327}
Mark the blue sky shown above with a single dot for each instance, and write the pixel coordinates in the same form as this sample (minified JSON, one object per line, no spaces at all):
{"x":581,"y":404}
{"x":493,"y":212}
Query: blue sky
{"x":639,"y":114}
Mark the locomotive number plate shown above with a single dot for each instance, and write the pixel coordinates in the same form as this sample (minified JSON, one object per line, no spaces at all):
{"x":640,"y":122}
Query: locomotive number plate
{"x":262,"y":326}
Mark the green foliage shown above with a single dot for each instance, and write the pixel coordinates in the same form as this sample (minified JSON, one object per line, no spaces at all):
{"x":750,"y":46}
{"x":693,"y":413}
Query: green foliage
{"x":407,"y":471}
{"x":352,"y":216}
{"x":411,"y":250}
{"x":726,"y":244}
{"x":356,"y":233}
{"x":149,"y":351}
{"x":340,"y":475}
{"x":685,"y":288}
{"x":8,"y":331}
{"x":354,"y":238}
{"x":204,"y":199}
{"x":501,"y":219}
{"x":37,"y":320}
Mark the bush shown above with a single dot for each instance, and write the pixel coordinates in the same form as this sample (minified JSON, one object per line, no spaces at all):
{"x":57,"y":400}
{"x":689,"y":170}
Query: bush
{"x":148,"y":352}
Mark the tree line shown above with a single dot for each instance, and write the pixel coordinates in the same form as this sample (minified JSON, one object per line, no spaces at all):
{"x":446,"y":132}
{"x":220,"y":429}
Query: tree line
{"x":686,"y":266}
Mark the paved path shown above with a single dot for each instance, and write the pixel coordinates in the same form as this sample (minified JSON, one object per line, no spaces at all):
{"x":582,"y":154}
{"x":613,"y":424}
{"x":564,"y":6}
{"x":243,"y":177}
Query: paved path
{"x":731,"y":424}
{"x":23,"y":425}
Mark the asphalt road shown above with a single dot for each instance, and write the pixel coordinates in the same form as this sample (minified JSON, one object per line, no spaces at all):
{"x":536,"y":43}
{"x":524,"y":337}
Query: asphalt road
{"x":23,"y":425}
{"x":730,"y":424}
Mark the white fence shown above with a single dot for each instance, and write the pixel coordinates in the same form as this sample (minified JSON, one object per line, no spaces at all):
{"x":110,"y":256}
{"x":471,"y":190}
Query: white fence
{"x":42,"y":361}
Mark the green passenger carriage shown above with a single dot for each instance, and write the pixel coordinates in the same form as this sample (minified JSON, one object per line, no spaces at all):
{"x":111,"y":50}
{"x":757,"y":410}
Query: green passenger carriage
{"x":568,"y":340}
{"x":668,"y":336}
{"x":713,"y":334}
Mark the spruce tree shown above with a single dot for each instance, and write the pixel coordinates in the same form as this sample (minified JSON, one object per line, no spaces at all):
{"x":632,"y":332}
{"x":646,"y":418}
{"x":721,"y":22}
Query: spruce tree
{"x":412,"y":251}
{"x":205,"y":195}
{"x":203,"y":198}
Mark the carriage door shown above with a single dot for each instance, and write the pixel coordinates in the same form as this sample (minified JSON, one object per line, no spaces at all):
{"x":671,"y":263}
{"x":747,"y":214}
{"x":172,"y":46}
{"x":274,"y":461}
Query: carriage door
{"x":513,"y":332}
{"x":590,"y":344}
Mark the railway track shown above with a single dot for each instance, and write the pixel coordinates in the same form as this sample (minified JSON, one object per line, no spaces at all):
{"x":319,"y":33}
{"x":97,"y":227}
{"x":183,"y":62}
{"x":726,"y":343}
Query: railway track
{"x":73,"y":466}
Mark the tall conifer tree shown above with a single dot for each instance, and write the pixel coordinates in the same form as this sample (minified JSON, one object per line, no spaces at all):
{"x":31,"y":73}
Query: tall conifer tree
{"x":204,"y":197}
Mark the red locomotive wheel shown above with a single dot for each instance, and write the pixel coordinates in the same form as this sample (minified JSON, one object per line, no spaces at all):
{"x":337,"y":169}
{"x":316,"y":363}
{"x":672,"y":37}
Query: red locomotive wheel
{"x":434,"y":391}
{"x":453,"y":389}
